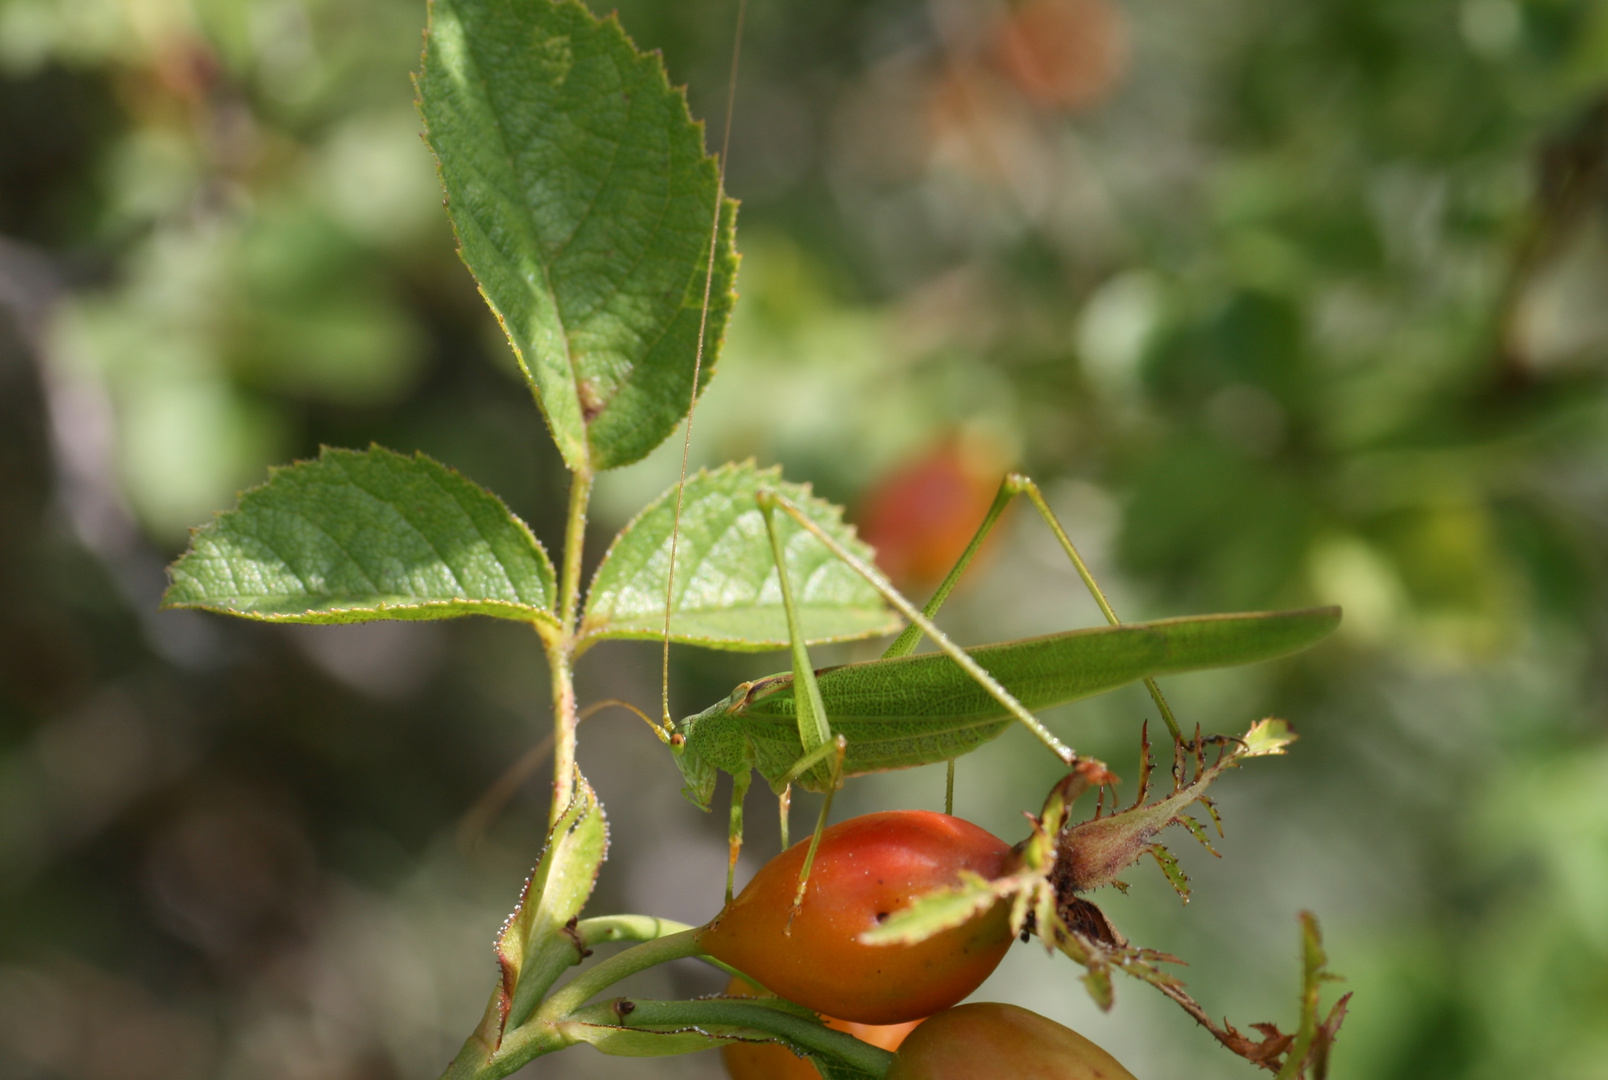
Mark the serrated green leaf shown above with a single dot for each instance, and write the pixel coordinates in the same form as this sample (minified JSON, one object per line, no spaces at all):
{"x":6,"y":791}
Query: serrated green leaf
{"x":555,"y":893}
{"x":727,"y":593}
{"x":1267,"y":737}
{"x":583,"y":200}
{"x":934,"y":912}
{"x":359,"y":535}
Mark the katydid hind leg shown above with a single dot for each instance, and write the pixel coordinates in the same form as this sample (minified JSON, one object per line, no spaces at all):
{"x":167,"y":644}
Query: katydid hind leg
{"x":839,"y":748}
{"x":910,"y":637}
{"x":814,"y":728}
{"x":1022,"y":485}
{"x":1013,"y":485}
{"x":973,"y":670}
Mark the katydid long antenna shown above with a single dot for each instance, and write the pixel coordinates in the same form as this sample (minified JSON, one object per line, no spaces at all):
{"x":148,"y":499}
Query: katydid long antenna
{"x":478,"y":818}
{"x":697,"y":360}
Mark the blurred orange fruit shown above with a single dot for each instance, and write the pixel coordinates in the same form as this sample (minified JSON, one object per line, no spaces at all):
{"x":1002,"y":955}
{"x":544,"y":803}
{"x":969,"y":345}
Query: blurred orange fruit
{"x":922,"y":515}
{"x":1064,"y":54}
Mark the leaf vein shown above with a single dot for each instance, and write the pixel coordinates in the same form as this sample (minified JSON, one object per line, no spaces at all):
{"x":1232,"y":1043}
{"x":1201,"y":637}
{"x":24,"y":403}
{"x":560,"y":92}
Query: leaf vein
{"x":463,"y":590}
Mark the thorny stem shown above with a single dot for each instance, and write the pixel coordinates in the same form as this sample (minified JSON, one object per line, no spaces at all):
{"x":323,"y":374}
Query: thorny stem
{"x":1315,"y":974}
{"x":561,"y":654}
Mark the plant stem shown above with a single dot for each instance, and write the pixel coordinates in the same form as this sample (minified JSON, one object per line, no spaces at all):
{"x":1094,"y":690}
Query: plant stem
{"x":542,"y":1033}
{"x":485,"y":1054}
{"x":708,"y":1013}
{"x":559,"y":663}
{"x":561,"y":656}
{"x":600,"y":977}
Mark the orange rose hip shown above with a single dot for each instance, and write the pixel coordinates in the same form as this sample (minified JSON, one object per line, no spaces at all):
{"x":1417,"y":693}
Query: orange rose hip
{"x":866,"y":869}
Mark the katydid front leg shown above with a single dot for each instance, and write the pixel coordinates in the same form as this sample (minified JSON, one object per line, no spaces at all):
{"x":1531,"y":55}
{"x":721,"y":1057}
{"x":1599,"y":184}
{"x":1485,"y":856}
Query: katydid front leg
{"x":734,"y":828}
{"x":910,"y":636}
{"x":814,"y":727}
{"x":814,"y":730}
{"x":833,"y":753}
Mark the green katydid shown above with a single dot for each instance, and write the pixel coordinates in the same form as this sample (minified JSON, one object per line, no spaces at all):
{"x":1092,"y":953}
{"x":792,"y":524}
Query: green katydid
{"x":902,"y":710}
{"x":905,"y":710}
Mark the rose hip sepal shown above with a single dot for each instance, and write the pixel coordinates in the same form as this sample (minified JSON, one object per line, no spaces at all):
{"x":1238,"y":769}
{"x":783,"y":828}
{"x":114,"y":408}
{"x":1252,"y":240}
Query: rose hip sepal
{"x":865,"y":869}
{"x":990,"y":1041}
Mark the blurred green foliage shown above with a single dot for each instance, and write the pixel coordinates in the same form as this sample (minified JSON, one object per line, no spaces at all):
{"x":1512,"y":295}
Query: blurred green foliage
{"x":1283,"y":302}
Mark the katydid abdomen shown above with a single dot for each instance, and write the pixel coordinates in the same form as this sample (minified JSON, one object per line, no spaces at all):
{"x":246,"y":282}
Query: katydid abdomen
{"x":916,"y":710}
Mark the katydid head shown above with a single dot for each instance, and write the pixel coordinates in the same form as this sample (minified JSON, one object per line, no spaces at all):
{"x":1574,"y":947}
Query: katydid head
{"x":697,"y":772}
{"x":694,"y":738}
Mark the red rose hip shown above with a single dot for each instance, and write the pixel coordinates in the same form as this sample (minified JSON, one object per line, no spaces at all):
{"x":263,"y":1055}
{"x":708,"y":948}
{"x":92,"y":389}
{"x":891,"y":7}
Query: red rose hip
{"x":866,"y":869}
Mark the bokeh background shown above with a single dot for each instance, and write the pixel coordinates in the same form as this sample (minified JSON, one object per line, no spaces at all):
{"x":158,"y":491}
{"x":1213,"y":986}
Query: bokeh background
{"x":1283,"y":302}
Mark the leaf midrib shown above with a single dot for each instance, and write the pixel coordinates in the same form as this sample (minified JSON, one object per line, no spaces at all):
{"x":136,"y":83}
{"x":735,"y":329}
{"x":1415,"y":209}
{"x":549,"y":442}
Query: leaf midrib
{"x":355,"y":482}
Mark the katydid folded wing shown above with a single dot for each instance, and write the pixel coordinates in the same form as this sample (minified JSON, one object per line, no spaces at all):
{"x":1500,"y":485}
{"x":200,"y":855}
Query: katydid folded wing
{"x":916,"y":710}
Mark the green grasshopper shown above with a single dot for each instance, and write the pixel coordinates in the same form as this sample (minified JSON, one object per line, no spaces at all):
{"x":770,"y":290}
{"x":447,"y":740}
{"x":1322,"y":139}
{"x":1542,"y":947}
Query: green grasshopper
{"x":905,"y":710}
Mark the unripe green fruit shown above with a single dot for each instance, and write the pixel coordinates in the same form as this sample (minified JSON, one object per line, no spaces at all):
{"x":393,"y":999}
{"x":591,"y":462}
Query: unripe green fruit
{"x":990,"y":1041}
